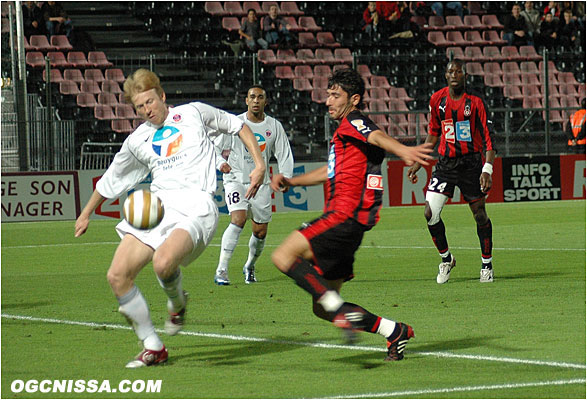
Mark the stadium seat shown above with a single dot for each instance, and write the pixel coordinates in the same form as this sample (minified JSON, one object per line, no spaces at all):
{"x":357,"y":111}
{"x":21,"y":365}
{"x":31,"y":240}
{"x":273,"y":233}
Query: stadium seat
{"x":473,"y":53}
{"x":491,"y":21}
{"x":122,"y":126}
{"x":98,"y":58}
{"x":455,"y":38}
{"x":320,"y":82}
{"x":474,"y":68}
{"x":531,"y":91}
{"x":40,"y":43}
{"x":326,"y":39}
{"x":568,"y":78}
{"x":215,"y":8}
{"x":55,"y":76}
{"x":512,"y":79}
{"x":530,"y":79}
{"x":531,"y":102}
{"x":529,"y":53}
{"x":475,"y":39}
{"x":380,"y":82}
{"x":476,"y":8}
{"x":267,"y":57}
{"x":338,"y":67}
{"x":74,"y":75}
{"x":322,"y":70}
{"x":307,"y":56}
{"x":286,"y":56}
{"x":108,"y":99}
{"x":379,"y":93}
{"x":78,"y":59}
{"x":231,"y":24}
{"x":111,"y":87}
{"x":492,"y":37}
{"x":114,"y":74}
{"x":343,"y":55}
{"x":234,"y":9}
{"x":415,"y":120}
{"x":325,"y":56}
{"x":27,"y":45}
{"x":102,"y":111}
{"x":567,"y":89}
{"x":453,"y":52}
{"x":367,"y":82}
{"x":319,"y":96}
{"x":380,"y":120}
{"x":493,"y":81}
{"x":399,"y":93}
{"x":90,"y":87}
{"x":254,"y":5}
{"x":284,"y":72}
{"x":511,"y":68}
{"x":364,"y":70}
{"x":302,"y":84}
{"x":398,"y":125}
{"x":307,"y":40}
{"x":290,"y":8}
{"x":57,"y":59}
{"x":529,"y":67}
{"x":124,"y":111}
{"x":511,"y":53}
{"x":94,"y":74}
{"x":474,"y":22}
{"x":308,"y":24}
{"x":293,"y":24}
{"x":437,"y":38}
{"x":303,"y":71}
{"x":68,"y":87}
{"x":492,"y":53}
{"x":436,"y":23}
{"x":455,"y":22}
{"x":398,"y":105}
{"x":86,"y":100}
{"x":513,"y":92}
{"x":61,"y":43}
{"x":420,"y":21}
{"x":492,"y":68}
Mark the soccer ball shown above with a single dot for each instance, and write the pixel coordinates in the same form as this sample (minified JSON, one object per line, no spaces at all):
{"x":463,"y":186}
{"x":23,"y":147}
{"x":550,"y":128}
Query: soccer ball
{"x":143,"y":209}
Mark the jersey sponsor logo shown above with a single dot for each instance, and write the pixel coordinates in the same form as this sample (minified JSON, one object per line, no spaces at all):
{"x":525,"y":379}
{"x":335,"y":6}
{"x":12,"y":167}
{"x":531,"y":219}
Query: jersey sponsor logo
{"x":463,"y":130}
{"x":448,"y":130}
{"x":261,"y":141}
{"x":331,"y":162}
{"x":167,"y":141}
{"x":177,"y":118}
{"x":359,"y":124}
{"x":374,"y":182}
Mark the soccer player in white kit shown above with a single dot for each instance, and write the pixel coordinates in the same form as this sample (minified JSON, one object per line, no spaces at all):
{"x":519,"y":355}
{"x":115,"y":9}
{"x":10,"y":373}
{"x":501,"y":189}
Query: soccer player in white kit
{"x":175,"y":146}
{"x":272,"y":140}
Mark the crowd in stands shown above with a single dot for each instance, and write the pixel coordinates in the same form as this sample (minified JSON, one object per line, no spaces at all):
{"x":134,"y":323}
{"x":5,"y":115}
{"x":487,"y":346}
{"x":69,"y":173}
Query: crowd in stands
{"x":45,"y":18}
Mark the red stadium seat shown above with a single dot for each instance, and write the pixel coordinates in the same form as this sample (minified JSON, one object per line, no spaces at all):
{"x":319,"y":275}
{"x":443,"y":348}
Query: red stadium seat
{"x":380,"y":82}
{"x":307,"y":40}
{"x":325,"y":56}
{"x":57,"y":59}
{"x":474,"y":22}
{"x":492,"y":37}
{"x":322,"y":70}
{"x":90,"y":87}
{"x":99,"y":59}
{"x":290,"y":8}
{"x":437,"y":38}
{"x":40,"y":43}
{"x":529,"y":53}
{"x":399,"y":93}
{"x":455,"y":22}
{"x":284,"y":72}
{"x":474,"y":68}
{"x":436,"y":23}
{"x":234,"y":9}
{"x":254,"y":5}
{"x":122,"y":126}
{"x":267,"y":4}
{"x":513,"y":92}
{"x":267,"y":57}
{"x":303,"y":71}
{"x":102,"y":111}
{"x":61,"y":43}
{"x":86,"y":100}
{"x":492,"y":68}
{"x":320,"y":82}
{"x":302,"y":84}
{"x":319,"y":96}
{"x":94,"y":74}
{"x":215,"y":8}
{"x":74,"y":75}
{"x":326,"y":39}
{"x":307,"y":56}
{"x":491,"y":21}
{"x":124,"y":111}
{"x":364,"y":70}
{"x":455,"y":38}
{"x":231,"y":24}
{"x":68,"y":87}
{"x":78,"y":59}
{"x":293,"y":24}
{"x":114,"y":74}
{"x":379,"y":93}
{"x":475,"y":39}
{"x":511,"y":53}
{"x":108,"y":99}
{"x":111,"y":87}
{"x":343,"y":55}
{"x":54,"y":75}
{"x":308,"y":24}
{"x":286,"y":56}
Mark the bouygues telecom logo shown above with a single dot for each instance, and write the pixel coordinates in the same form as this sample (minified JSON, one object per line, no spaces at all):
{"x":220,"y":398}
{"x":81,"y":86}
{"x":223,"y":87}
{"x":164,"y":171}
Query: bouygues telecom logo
{"x":261,"y":141}
{"x":167,"y":141}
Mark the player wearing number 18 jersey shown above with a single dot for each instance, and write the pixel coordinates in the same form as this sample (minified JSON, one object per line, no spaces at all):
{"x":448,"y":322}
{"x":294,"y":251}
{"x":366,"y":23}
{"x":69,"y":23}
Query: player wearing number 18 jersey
{"x":458,"y":118}
{"x":320,"y":255}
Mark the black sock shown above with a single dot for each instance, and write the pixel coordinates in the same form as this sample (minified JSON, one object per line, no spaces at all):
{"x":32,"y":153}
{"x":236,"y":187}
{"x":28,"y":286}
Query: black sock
{"x":308,"y":278}
{"x":369,"y":323}
{"x":485,"y":233}
{"x":439,"y":237}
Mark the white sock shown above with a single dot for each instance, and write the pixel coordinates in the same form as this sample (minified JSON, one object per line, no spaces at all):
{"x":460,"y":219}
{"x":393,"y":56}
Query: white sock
{"x":134,"y":307}
{"x":256,"y":246}
{"x":229,"y":241}
{"x":330,"y":301}
{"x":172,"y":288}
{"x":386,"y":327}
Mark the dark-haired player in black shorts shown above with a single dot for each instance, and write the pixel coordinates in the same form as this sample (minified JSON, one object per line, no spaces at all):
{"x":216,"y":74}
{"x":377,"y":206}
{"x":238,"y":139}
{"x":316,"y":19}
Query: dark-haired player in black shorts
{"x":459,"y":118}
{"x":320,"y":255}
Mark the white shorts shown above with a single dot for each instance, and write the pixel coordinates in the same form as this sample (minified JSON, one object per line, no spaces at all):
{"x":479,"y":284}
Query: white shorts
{"x":258,"y":208}
{"x":200,"y":224}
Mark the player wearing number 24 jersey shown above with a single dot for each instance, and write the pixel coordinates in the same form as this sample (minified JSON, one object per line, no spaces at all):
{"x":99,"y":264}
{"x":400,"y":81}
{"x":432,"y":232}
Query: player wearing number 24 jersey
{"x":462,"y":129}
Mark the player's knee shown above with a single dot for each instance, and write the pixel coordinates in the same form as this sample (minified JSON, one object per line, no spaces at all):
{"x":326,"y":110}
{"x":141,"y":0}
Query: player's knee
{"x":116,"y":279}
{"x":481,"y":217}
{"x":163,"y":264}
{"x":427,"y":212}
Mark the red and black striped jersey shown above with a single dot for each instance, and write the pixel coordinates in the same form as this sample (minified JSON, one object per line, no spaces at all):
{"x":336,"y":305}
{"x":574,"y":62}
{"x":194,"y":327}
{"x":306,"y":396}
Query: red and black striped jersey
{"x":355,"y":184}
{"x":462,"y":125}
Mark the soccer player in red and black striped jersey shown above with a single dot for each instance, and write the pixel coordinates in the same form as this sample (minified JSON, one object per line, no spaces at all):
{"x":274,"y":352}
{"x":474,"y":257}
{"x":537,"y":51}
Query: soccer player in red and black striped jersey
{"x":320,"y":255}
{"x":459,"y":119}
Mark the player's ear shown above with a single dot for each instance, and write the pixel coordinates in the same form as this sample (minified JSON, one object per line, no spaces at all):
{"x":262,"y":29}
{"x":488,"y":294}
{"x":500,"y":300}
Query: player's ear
{"x":355,"y":99}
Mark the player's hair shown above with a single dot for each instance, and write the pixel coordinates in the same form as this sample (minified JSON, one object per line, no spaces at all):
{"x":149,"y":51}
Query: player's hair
{"x":140,"y":81}
{"x":351,"y":82}
{"x":257,"y":86}
{"x":457,"y":61}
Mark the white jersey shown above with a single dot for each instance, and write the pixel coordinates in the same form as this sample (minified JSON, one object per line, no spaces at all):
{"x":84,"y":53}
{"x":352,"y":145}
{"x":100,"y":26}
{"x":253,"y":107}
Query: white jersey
{"x":180,"y":156}
{"x":272,"y":140}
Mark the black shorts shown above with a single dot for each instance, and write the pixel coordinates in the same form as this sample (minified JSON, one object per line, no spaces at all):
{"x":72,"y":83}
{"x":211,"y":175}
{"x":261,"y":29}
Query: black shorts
{"x":334,"y":238}
{"x":463,"y":172}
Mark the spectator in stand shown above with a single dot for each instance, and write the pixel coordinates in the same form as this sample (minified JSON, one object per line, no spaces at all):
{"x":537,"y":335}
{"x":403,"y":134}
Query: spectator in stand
{"x":548,"y":32}
{"x":372,"y":21}
{"x":276,"y":31}
{"x":552,"y":8}
{"x":532,"y":17}
{"x":567,"y":29}
{"x":32,"y":17}
{"x":250,"y":31}
{"x":401,"y":27}
{"x":455,"y":6}
{"x":56,"y":19}
{"x":514,"y":28}
{"x":421,"y":8}
{"x":576,"y":130}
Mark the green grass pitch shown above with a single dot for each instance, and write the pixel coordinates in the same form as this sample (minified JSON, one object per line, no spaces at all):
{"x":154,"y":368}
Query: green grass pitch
{"x":522,"y":336}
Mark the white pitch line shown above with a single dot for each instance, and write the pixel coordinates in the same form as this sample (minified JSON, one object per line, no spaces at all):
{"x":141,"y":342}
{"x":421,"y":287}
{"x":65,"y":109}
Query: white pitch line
{"x":240,"y":338}
{"x":275,"y":245}
{"x":460,"y":389}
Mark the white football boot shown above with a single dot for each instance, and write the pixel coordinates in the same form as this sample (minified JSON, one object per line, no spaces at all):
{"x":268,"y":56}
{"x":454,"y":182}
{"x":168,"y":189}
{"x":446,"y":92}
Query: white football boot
{"x":486,"y":275}
{"x":444,"y":269}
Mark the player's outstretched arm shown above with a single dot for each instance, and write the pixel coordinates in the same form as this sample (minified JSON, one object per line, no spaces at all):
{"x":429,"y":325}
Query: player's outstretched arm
{"x":315,"y":177}
{"x":258,"y":174}
{"x":409,"y":154}
{"x":82,"y":222}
